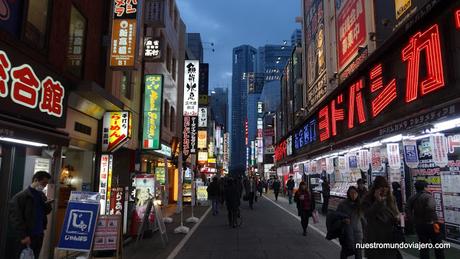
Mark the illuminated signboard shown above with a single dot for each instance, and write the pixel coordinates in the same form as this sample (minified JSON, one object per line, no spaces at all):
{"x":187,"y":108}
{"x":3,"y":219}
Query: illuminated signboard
{"x":203,"y":117}
{"x":116,"y":130}
{"x":153,"y":97}
{"x":152,"y":48}
{"x":405,"y":87}
{"x":124,"y":36}
{"x":23,"y":94}
{"x":260,"y":107}
{"x":202,"y":156}
{"x":351,"y":32}
{"x":165,"y":150}
{"x":105,"y":182}
{"x":202,"y":139}
{"x":191,"y":94}
{"x":160,"y":175}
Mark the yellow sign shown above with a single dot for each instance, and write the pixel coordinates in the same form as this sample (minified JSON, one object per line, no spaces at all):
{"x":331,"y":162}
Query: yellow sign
{"x":202,"y":138}
{"x":116,"y":130}
{"x":401,"y":6}
{"x":201,"y":193}
{"x":211,"y":160}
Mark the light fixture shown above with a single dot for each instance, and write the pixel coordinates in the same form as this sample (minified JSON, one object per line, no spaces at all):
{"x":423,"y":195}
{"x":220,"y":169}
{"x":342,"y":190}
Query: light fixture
{"x":373,"y":144}
{"x":445,"y":125}
{"x":66,"y":176}
{"x":395,"y":138}
{"x":23,"y":142}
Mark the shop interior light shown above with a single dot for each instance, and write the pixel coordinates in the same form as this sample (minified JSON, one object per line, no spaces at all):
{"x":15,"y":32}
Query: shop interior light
{"x":395,"y":138}
{"x":373,"y":144}
{"x":421,"y":136}
{"x":23,"y":142}
{"x":445,"y":125}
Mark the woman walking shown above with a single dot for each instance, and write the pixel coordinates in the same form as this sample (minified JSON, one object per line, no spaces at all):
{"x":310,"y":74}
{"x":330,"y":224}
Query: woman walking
{"x":305,"y":205}
{"x":353,"y":233}
{"x":382,"y":218}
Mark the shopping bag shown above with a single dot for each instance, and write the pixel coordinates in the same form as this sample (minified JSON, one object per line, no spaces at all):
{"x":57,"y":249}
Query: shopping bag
{"x":315,"y":217}
{"x":27,"y":253}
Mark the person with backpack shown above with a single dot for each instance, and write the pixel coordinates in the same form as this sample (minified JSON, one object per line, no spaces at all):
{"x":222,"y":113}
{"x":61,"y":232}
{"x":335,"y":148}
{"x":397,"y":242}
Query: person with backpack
{"x":352,"y":233}
{"x":290,"y":188}
{"x":305,"y":205}
{"x":421,"y":209}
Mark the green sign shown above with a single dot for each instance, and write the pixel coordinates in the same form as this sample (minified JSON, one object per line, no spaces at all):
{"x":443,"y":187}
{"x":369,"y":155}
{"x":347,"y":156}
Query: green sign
{"x":153,"y":97}
{"x":160,"y":174}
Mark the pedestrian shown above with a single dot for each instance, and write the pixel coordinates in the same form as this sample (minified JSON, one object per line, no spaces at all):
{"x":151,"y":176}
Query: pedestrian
{"x":290,"y":188}
{"x":250,"y":190}
{"x":353,"y":232}
{"x":305,"y":205}
{"x":260,"y":187}
{"x":421,"y":209}
{"x":276,"y":187}
{"x":28,"y":211}
{"x":213,"y":195}
{"x":326,"y":190}
{"x":382,"y":217}
{"x":362,"y":190}
{"x":398,"y":195}
{"x":232,"y":200}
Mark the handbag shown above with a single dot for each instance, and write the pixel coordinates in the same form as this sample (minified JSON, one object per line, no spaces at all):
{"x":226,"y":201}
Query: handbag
{"x":315,"y":217}
{"x":27,"y":253}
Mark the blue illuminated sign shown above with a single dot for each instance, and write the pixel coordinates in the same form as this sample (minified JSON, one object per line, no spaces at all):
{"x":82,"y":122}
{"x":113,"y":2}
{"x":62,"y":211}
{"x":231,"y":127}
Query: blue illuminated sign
{"x":306,"y":135}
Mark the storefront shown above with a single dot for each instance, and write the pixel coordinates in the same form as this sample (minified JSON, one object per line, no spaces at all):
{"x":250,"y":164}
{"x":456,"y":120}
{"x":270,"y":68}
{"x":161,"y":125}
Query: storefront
{"x":33,"y":105}
{"x":397,"y":116}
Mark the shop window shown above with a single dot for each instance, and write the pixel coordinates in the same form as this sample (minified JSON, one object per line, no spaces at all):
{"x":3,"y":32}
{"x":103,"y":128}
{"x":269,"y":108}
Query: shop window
{"x":76,"y":48}
{"x":172,"y":122}
{"x":166,"y":114}
{"x":125,"y":84}
{"x":36,"y":23}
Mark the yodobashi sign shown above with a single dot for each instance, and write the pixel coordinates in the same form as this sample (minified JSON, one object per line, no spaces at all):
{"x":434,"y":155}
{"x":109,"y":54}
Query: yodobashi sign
{"x":23,"y":94}
{"x":191,"y":93}
{"x":153,"y":96}
{"x":116,"y":130}
{"x":79,"y":223}
{"x":124,"y":37}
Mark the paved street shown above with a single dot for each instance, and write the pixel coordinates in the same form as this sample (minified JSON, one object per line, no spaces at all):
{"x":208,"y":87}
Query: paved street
{"x":267,"y":232}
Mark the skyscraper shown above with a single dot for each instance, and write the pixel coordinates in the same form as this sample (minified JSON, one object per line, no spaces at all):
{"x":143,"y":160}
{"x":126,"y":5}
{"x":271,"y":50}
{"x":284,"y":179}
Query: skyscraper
{"x":296,"y":37}
{"x":194,"y":46}
{"x":272,"y":60}
{"x":244,"y":61}
{"x":218,"y":103}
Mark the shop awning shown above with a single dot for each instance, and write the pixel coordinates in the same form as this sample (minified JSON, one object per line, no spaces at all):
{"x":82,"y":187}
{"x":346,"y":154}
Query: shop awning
{"x":15,"y":128}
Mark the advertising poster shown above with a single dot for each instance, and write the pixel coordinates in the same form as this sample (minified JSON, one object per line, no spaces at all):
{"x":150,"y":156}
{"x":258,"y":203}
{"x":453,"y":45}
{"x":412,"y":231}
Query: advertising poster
{"x":451,"y":198}
{"x":191,"y":91}
{"x":394,"y":159}
{"x":329,"y":165}
{"x":352,"y":161}
{"x":342,"y":163}
{"x":410,"y":153}
{"x":107,"y":235}
{"x":376,"y":159}
{"x":351,"y":29}
{"x":153,"y":103}
{"x":144,"y":190}
{"x":363,"y":160}
{"x":439,"y":147}
{"x":202,"y":139}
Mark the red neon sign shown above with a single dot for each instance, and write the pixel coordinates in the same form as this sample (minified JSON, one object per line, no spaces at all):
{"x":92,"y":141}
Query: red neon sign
{"x":457,"y":19}
{"x":429,"y":42}
{"x":324,"y":132}
{"x":356,"y":99}
{"x":337,"y":114}
{"x":386,"y":96}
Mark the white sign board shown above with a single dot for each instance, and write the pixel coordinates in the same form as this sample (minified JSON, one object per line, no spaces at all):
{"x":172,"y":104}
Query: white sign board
{"x":191,"y":95}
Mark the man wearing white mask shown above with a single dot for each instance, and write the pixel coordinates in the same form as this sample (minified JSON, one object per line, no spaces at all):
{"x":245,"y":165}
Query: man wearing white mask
{"x":28,"y":210}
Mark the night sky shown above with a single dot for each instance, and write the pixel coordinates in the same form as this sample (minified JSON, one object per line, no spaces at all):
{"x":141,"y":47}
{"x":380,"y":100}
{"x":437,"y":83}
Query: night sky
{"x":230,"y":23}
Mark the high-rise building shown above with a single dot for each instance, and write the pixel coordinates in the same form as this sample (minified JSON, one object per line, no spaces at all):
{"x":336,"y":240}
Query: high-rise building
{"x":244,"y":62}
{"x":194,"y":46}
{"x":296,"y":37}
{"x":272,"y":59}
{"x":255,"y":82}
{"x":218,"y":103}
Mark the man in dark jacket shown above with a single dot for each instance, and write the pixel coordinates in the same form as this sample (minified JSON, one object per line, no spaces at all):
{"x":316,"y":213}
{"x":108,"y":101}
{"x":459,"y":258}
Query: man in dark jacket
{"x":214,"y":195}
{"x":326,"y":193}
{"x":232,"y":193}
{"x":290,"y":188}
{"x":28,"y":210}
{"x":276,"y":187}
{"x":421,"y":209}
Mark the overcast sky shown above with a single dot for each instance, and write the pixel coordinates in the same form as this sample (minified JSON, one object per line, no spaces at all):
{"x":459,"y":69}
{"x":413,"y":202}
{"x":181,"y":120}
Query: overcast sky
{"x":230,"y":23}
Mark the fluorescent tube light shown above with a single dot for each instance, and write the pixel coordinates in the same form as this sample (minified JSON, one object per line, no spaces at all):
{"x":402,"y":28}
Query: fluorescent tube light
{"x":23,"y":142}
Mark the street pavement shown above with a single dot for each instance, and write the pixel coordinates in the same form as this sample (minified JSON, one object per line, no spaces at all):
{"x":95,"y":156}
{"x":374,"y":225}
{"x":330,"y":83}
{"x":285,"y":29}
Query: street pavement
{"x":268,"y":231}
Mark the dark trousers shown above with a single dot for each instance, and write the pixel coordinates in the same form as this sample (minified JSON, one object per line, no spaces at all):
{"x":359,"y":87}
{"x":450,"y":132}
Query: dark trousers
{"x":304,"y":217}
{"x":290,"y":195}
{"x":232,"y":215}
{"x":358,"y":253}
{"x":325,"y":204}
{"x":36,"y":245}
{"x":426,"y":234}
{"x":277,"y":192}
{"x":251,"y":196}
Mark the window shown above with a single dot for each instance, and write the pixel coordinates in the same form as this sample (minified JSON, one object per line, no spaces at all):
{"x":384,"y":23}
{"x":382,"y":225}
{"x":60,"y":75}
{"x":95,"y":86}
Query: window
{"x":172,"y":123}
{"x":166,"y":114}
{"x":36,"y":24}
{"x":125,"y":84}
{"x":174,"y":68}
{"x":168,"y":58}
{"x":76,"y":48}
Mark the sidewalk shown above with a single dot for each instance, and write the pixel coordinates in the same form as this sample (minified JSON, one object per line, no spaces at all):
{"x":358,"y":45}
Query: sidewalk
{"x":453,"y":252}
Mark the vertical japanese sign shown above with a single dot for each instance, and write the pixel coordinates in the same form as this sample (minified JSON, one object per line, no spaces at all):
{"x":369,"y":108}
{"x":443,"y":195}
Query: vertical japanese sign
{"x":116,"y":130}
{"x":193,"y":134}
{"x":116,"y":201}
{"x":203,"y":117}
{"x":439,"y":147}
{"x":202,"y":139}
{"x":191,"y":94}
{"x":103,"y":180}
{"x":394,"y":159}
{"x":124,"y":37}
{"x":363,"y":159}
{"x":152,"y":48}
{"x":186,"y":136}
{"x":160,"y":175}
{"x":410,"y":153}
{"x":153,"y":97}
{"x":204,"y":83}
{"x":351,"y":29}
{"x":77,"y":30}
{"x":260,"y":140}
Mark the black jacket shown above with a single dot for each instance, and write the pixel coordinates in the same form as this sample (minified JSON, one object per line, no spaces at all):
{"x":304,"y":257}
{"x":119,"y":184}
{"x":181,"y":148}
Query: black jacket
{"x":22,"y":212}
{"x":213,"y":190}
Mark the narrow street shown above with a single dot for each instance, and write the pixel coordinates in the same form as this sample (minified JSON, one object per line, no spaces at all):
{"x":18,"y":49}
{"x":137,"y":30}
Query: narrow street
{"x":267,"y":232}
